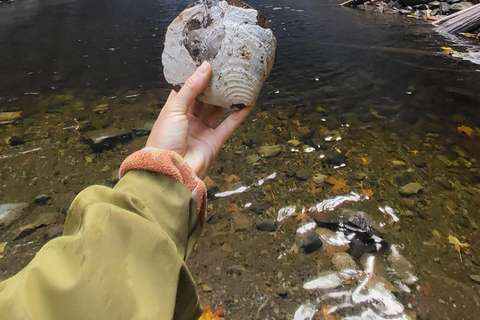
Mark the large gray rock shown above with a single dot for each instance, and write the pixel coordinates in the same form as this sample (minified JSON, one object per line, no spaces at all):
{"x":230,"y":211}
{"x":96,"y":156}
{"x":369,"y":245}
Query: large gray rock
{"x":9,"y":212}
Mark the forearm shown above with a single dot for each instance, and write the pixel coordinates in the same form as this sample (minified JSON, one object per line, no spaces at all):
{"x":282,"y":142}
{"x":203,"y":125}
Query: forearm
{"x":121,"y":257}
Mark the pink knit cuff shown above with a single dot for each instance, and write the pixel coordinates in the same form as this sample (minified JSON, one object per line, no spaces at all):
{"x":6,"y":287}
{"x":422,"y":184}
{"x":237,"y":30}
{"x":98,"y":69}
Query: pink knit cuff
{"x":169,"y":163}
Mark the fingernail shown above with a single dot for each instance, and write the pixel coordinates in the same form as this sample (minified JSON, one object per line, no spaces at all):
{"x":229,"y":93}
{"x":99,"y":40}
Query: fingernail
{"x":204,"y":67}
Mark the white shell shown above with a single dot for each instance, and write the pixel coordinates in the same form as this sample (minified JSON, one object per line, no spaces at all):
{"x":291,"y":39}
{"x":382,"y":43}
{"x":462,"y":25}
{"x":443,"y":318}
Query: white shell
{"x":230,"y":35}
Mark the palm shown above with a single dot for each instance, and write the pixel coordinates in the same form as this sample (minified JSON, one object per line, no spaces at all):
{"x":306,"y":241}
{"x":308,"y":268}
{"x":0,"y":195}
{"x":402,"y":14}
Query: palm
{"x":192,"y":129}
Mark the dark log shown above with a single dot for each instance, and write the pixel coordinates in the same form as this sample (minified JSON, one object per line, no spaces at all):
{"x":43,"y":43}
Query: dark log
{"x":463,"y":21}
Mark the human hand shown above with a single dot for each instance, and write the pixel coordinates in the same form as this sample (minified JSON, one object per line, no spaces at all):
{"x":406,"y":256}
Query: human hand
{"x":192,"y":129}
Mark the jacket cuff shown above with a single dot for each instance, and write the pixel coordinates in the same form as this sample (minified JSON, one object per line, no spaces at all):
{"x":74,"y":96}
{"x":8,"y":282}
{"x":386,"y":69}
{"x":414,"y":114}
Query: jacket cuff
{"x":170,"y":163}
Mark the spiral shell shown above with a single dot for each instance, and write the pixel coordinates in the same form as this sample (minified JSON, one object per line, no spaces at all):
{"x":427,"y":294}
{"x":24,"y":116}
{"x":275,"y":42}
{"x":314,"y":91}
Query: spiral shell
{"x":233,"y":37}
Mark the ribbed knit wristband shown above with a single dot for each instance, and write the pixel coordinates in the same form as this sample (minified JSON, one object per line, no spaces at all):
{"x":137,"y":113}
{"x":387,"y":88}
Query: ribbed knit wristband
{"x":169,"y":163}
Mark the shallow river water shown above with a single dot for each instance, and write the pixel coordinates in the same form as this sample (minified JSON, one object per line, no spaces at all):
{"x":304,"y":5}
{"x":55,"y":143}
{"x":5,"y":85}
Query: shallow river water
{"x":364,"y":123}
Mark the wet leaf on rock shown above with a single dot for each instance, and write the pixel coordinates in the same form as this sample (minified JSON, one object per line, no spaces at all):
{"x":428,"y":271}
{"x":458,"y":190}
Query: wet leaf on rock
{"x":208,"y":314}
{"x":339,"y":185}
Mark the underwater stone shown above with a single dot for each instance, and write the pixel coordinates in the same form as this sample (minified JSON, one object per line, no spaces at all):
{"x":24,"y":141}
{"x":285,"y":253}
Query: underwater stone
{"x":319,"y":178}
{"x":269,"y":225}
{"x":9,"y":212}
{"x":342,"y":260}
{"x":269,"y":151}
{"x":303,"y":174}
{"x":311,"y":242}
{"x":411,"y":189}
{"x":107,"y":139}
{"x":233,"y":37}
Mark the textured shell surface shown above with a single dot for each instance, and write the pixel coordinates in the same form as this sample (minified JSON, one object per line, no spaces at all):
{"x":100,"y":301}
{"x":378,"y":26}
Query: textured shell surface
{"x":233,"y":37}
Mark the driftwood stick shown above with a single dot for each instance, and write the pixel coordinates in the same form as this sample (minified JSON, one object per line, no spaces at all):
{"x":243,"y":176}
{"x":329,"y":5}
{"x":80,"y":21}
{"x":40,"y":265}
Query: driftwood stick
{"x":462,"y":21}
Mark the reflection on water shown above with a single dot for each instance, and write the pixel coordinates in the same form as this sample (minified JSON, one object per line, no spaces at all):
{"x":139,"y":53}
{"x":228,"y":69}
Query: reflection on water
{"x":367,"y":99}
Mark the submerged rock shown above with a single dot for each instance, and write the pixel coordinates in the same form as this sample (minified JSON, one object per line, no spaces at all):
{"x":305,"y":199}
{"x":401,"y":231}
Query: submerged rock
{"x":144,"y":130}
{"x":303,"y":174}
{"x":411,"y":189}
{"x":9,"y":212}
{"x":311,"y":242}
{"x":319,"y":178}
{"x":107,"y":139}
{"x":342,"y":260}
{"x":53,"y":232}
{"x":240,"y":222}
{"x":42,"y":199}
{"x":269,"y":151}
{"x":269,"y":225}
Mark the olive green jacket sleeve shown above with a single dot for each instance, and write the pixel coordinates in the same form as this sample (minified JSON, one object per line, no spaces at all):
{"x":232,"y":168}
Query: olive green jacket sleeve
{"x":122,"y":256}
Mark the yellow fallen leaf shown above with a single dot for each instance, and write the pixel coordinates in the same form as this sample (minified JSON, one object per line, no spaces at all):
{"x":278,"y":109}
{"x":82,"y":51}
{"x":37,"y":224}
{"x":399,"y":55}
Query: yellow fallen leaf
{"x":300,"y":217}
{"x":339,"y":185}
{"x":208,"y":314}
{"x":367,"y":193}
{"x":446,"y":48}
{"x":467,"y":130}
{"x":457,"y":244}
{"x":365,"y":161}
{"x":469,"y":35}
{"x":415,"y":152}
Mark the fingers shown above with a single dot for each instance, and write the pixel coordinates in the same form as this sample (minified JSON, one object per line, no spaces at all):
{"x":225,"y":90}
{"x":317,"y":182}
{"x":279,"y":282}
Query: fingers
{"x":225,"y":129}
{"x":191,"y":89}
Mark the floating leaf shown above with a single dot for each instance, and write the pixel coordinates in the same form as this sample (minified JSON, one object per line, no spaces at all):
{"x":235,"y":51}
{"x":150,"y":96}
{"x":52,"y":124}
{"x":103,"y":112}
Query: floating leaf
{"x":467,"y":130}
{"x":339,"y":185}
{"x":208,"y":314}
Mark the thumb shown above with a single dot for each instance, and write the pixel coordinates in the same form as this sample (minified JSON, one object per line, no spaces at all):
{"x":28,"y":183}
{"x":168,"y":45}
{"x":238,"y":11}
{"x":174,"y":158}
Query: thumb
{"x":191,"y":89}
